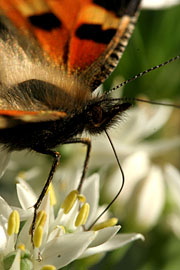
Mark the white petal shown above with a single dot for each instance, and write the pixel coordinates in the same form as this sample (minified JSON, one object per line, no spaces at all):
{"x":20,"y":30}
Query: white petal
{"x":104,"y":235}
{"x":143,"y":122}
{"x":136,"y":167}
{"x":5,"y":209}
{"x":91,"y":191}
{"x":63,"y":250}
{"x":173,"y":181}
{"x":155,"y":4}
{"x":24,"y":214}
{"x":116,"y":242}
{"x":26,"y":196}
{"x":3,"y":233}
{"x":159,"y":146}
{"x":24,"y":236}
{"x":150,"y":199}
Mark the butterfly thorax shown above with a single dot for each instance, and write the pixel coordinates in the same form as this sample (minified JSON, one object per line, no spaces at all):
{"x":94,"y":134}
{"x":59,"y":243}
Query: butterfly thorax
{"x":94,"y":116}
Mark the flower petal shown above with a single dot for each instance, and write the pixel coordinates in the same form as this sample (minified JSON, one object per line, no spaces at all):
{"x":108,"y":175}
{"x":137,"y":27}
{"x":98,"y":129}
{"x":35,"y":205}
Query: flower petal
{"x":5,"y":209}
{"x":3,"y":233}
{"x":116,"y":242}
{"x":26,"y":196}
{"x":91,"y":191}
{"x":104,"y":235}
{"x":155,"y":4}
{"x":173,"y":181}
{"x":149,"y":199}
{"x":63,"y":250}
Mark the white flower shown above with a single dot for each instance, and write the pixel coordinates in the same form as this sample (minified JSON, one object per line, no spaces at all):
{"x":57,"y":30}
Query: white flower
{"x":130,"y":136}
{"x":143,"y":180}
{"x":172,"y":217}
{"x":144,"y":192}
{"x":156,"y":4}
{"x":60,"y":239}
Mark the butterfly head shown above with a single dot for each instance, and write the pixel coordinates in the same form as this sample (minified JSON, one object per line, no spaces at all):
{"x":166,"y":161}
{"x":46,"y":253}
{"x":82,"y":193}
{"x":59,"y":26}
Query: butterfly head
{"x":103,"y":113}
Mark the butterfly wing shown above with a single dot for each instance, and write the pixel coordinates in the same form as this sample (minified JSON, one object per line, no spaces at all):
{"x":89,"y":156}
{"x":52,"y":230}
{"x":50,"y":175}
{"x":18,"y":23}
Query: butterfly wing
{"x":13,"y":118}
{"x":100,"y":36}
{"x":84,"y":37}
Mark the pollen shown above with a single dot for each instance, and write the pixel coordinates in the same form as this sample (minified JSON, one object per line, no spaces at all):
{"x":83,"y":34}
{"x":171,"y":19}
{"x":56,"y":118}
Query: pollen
{"x":48,"y":267}
{"x":82,"y":198}
{"x":41,"y":218}
{"x":53,"y":200}
{"x":83,"y":215}
{"x":108,"y":223}
{"x":38,"y":233}
{"x":13,"y":223}
{"x":21,"y":247}
{"x":69,"y":201}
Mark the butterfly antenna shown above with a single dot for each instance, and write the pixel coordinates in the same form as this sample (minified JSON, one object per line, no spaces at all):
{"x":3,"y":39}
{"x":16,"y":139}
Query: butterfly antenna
{"x":121,"y":187}
{"x":143,"y":73}
{"x":131,"y":100}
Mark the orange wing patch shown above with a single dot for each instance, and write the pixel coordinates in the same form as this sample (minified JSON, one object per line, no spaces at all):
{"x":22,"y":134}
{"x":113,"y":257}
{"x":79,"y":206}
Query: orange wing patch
{"x":68,"y":31}
{"x":13,"y":117}
{"x":94,"y":30}
{"x":77,"y":34}
{"x":35,"y":17}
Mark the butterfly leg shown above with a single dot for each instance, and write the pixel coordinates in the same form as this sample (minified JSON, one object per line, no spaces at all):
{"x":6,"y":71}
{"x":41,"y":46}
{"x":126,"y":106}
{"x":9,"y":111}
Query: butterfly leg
{"x":86,"y":142}
{"x":56,"y":156}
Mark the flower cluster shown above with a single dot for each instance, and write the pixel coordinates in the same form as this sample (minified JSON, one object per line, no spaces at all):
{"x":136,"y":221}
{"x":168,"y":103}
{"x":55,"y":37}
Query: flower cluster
{"x":61,"y":239}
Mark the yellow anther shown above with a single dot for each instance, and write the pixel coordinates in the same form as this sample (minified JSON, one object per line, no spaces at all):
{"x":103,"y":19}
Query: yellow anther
{"x":69,"y":201}
{"x":82,"y":198}
{"x":22,"y":175}
{"x":108,"y":223}
{"x":21,"y":247}
{"x":38,"y":235}
{"x":52,"y":195}
{"x":63,"y":229}
{"x":41,"y":219}
{"x":48,"y":267}
{"x":13,"y":223}
{"x":83,"y":215}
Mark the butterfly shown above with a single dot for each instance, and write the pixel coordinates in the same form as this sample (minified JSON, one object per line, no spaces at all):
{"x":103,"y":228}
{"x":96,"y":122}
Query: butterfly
{"x":54,"y":54}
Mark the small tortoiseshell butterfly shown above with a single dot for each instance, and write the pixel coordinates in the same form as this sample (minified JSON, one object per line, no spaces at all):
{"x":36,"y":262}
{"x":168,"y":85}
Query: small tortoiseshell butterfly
{"x":54,"y":54}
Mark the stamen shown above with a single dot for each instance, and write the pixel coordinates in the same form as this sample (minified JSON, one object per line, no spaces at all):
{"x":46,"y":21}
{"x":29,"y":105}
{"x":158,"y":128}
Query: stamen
{"x":63,"y":229}
{"x":108,"y":223}
{"x":41,"y":218}
{"x":83,"y":215}
{"x":37,"y":237}
{"x":38,"y":233}
{"x":53,"y":200}
{"x":13,"y":223}
{"x":48,"y":267}
{"x":81,"y":198}
{"x":69,"y":201}
{"x":21,"y":247}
